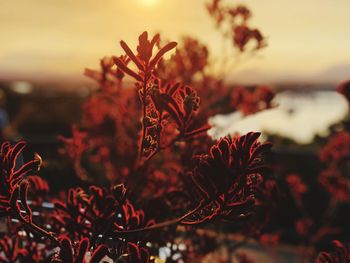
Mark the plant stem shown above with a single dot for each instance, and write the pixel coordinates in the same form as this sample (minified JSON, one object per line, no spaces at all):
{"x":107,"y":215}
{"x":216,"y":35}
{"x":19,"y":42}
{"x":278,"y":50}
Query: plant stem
{"x":162,"y":224}
{"x":171,"y":143}
{"x":144,"y":106}
{"x":38,"y":230}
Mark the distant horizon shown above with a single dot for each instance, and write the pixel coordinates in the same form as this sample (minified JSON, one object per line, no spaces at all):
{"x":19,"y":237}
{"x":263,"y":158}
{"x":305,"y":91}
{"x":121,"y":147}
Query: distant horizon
{"x":68,"y":82}
{"x":42,"y":40}
{"x":250,"y":76}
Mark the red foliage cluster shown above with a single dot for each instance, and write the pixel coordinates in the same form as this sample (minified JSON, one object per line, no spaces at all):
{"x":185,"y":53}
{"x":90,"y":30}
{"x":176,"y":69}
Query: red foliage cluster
{"x":335,"y":177}
{"x":187,"y":64}
{"x":145,"y":65}
{"x":243,"y":258}
{"x":296,"y":185}
{"x":303,"y":226}
{"x":270,"y":239}
{"x":249,"y":102}
{"x":191,"y":65}
{"x":344,"y":89}
{"x":161,"y":160}
{"x":86,"y":213}
{"x":335,"y":183}
{"x":229,"y":175}
{"x":337,"y":149}
{"x":77,"y":254}
{"x":13,"y":183}
{"x":75,"y":147}
{"x":339,"y":254}
{"x":318,"y":228}
{"x":236,"y":19}
{"x":243,"y":34}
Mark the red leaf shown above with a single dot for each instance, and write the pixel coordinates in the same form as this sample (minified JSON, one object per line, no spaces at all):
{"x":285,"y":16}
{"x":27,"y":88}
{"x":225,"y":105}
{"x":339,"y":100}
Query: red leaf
{"x":100,"y":252}
{"x":197,"y":131}
{"x":131,"y":55}
{"x":171,"y":106}
{"x":84,"y":245}
{"x":66,"y":252}
{"x":121,"y":65}
{"x":161,"y":53}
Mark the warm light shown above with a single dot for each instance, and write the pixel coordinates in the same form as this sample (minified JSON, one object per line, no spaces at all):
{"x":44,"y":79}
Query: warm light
{"x":148,"y":2}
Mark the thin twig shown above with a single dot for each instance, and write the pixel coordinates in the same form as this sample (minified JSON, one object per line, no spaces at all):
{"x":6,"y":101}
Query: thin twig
{"x":160,"y":225}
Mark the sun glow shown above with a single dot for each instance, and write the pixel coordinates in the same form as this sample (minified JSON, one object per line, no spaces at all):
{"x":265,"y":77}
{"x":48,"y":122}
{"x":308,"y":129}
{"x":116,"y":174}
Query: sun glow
{"x":148,"y":2}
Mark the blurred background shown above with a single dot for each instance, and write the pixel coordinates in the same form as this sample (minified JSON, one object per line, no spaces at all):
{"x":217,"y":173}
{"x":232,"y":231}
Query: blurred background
{"x":46,"y":46}
{"x":307,"y":41}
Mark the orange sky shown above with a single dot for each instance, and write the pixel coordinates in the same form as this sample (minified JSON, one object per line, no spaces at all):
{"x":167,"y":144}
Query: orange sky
{"x":60,"y":38}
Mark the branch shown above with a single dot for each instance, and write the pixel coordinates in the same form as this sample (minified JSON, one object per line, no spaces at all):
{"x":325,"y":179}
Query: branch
{"x":160,"y":225}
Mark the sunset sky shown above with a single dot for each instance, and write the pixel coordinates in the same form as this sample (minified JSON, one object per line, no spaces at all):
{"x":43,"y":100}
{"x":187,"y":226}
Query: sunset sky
{"x":307,"y":39}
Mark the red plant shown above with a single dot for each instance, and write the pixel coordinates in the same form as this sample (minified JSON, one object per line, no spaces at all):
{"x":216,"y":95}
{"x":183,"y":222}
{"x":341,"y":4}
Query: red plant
{"x":233,"y":20}
{"x":188,"y":64}
{"x":303,"y":226}
{"x":335,"y":154}
{"x":14,"y":186}
{"x":297,"y":186}
{"x":249,"y":102}
{"x":243,"y":35}
{"x":137,"y":254}
{"x":143,"y":60}
{"x":11,"y":249}
{"x":337,"y":149}
{"x":344,"y":89}
{"x":162,"y":155}
{"x":69,"y":254}
{"x":165,"y":182}
{"x":243,"y":258}
{"x":339,"y":254}
{"x":227,"y":177}
{"x":335,"y":183}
